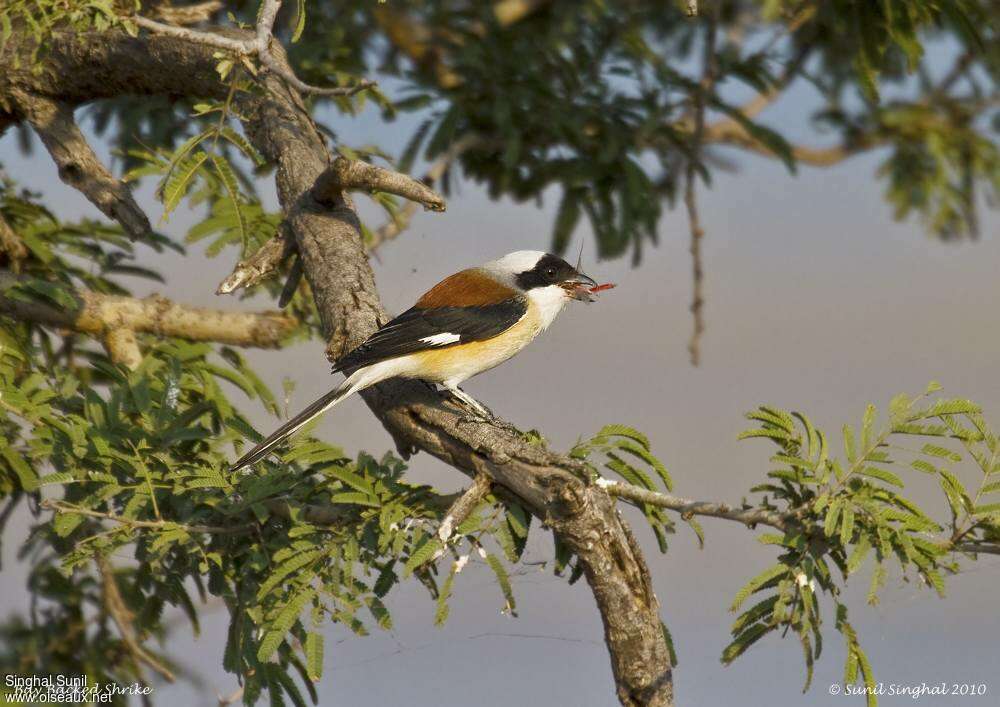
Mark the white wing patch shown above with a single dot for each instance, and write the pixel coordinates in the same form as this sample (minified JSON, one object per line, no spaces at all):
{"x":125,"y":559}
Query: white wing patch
{"x":441,"y":339}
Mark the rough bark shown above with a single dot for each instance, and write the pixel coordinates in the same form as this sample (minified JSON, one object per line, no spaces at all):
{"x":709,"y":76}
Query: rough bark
{"x":552,"y":486}
{"x":79,"y":167}
{"x":108,"y":317}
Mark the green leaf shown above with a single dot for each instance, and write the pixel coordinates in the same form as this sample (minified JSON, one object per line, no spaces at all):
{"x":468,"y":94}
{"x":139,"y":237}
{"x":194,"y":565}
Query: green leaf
{"x":441,"y":612}
{"x":25,"y":474}
{"x":758,"y":583}
{"x":847,"y":524}
{"x":314,"y":655}
{"x":744,"y":640}
{"x":850,"y":451}
{"x":293,"y":564}
{"x":867,"y":427}
{"x":66,"y":523}
{"x":355,"y":498}
{"x":832,"y":517}
{"x":881,"y":475}
{"x":179,"y":180}
{"x":242,"y":144}
{"x":422,"y":554}
{"x":282,"y":623}
{"x":503,"y":580}
{"x":986,"y":509}
{"x":567,"y":217}
{"x":228,"y":178}
{"x":300,"y":20}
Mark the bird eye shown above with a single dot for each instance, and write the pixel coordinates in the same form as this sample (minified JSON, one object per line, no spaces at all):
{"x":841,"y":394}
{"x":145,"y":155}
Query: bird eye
{"x":550,"y":273}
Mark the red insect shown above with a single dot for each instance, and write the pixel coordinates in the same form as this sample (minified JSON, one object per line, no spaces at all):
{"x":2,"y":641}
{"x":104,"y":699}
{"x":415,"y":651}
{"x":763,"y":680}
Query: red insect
{"x":600,"y":288}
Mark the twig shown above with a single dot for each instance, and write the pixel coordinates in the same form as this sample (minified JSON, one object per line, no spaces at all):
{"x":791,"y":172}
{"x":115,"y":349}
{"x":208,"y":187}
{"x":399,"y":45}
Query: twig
{"x":81,"y":169}
{"x":120,"y":614}
{"x":464,"y":505}
{"x":690,"y":196}
{"x":782,"y":521}
{"x":231,"y":697}
{"x":99,"y":315}
{"x":265,"y":261}
{"x":62,"y":507}
{"x":259,"y":46}
{"x":688,"y":507}
{"x":978,"y":548}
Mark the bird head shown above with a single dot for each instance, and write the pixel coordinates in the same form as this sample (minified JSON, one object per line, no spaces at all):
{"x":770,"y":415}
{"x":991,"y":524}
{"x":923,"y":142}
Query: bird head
{"x":532,"y":270}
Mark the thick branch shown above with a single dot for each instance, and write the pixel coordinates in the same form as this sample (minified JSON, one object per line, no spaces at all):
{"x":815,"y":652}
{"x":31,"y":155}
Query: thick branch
{"x":100,"y":315}
{"x":79,"y":166}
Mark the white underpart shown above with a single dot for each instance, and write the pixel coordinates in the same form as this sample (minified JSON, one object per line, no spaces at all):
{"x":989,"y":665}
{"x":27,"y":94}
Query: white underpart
{"x":549,"y":301}
{"x":441,"y":339}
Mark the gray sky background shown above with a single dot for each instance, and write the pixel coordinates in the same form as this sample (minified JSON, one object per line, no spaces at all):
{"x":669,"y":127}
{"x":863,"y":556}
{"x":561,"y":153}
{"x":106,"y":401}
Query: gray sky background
{"x":816,"y":300}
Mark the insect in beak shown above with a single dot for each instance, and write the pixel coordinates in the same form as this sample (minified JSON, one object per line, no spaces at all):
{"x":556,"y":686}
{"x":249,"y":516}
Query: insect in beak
{"x":579,"y":287}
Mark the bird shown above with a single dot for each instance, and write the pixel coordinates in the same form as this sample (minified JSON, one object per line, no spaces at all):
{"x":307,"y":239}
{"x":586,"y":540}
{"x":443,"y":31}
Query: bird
{"x":466,"y":324}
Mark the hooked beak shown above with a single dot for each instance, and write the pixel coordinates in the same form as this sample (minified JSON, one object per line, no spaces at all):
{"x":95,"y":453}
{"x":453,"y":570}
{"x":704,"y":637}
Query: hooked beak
{"x":578,"y":287}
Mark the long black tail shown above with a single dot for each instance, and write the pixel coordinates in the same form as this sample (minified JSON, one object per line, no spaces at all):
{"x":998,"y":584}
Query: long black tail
{"x":292,"y":426}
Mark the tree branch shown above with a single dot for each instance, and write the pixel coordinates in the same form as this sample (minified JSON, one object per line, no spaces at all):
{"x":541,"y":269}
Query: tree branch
{"x":123,"y":348}
{"x":62,"y":507}
{"x":120,"y":614}
{"x":240,"y":47}
{"x":350,"y":175}
{"x":688,"y":507}
{"x":79,"y":166}
{"x":750,"y":517}
{"x":259,"y":46}
{"x":690,"y":196}
{"x":263,"y":263}
{"x":100,"y":315}
{"x":464,"y":505}
{"x":268,"y":258}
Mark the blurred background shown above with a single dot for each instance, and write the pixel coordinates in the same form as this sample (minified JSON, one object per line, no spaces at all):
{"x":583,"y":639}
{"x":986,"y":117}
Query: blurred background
{"x":816,"y":300}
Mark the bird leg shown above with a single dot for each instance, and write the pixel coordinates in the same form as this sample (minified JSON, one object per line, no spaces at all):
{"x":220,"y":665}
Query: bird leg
{"x":479,"y":410}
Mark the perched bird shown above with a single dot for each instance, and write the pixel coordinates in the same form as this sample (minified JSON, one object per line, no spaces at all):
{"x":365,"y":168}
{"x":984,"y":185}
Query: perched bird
{"x":466,"y":324}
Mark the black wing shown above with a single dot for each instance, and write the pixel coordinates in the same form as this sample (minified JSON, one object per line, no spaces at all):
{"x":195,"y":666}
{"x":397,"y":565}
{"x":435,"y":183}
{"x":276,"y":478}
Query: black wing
{"x":414,"y":330}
